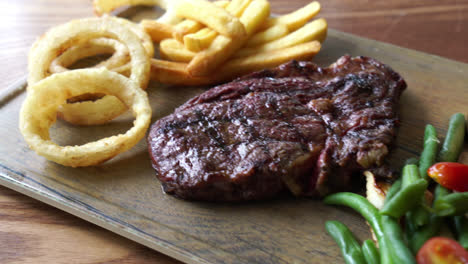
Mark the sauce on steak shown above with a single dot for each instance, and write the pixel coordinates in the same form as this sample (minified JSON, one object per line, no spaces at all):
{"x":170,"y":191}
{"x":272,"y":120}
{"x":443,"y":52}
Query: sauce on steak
{"x":297,"y":127}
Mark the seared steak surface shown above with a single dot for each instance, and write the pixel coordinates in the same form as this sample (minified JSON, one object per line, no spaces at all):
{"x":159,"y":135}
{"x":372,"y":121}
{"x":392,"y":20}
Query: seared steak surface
{"x":297,"y":127}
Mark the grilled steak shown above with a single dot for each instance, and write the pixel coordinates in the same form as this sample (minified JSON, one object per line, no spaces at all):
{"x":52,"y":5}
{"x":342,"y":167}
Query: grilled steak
{"x":297,"y":127}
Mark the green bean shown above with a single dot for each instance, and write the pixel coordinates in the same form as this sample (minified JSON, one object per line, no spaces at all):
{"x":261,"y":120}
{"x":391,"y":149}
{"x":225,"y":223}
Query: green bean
{"x":451,"y":149}
{"x":410,"y":194}
{"x":367,"y":210}
{"x":400,"y":253}
{"x":388,"y":253}
{"x":453,"y":143}
{"x":419,"y":216}
{"x":461,"y":230}
{"x":370,"y":252}
{"x":410,"y":229}
{"x":452,"y":204}
{"x":359,"y":204}
{"x":413,"y":160}
{"x":350,"y":248}
{"x":394,"y":189}
{"x":410,"y":174}
{"x":406,"y":199}
{"x":420,"y":236}
{"x":429,"y":153}
{"x":440,"y":192}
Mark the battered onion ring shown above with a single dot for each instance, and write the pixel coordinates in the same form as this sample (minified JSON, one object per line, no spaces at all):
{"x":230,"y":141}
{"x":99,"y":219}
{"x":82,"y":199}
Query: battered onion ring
{"x":91,"y":48}
{"x":119,"y":62}
{"x":146,"y":41}
{"x":39,"y":109}
{"x":62,"y":37}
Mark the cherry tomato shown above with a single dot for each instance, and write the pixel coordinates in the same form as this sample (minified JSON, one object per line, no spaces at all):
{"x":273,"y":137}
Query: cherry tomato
{"x":441,"y":250}
{"x":451,"y":175}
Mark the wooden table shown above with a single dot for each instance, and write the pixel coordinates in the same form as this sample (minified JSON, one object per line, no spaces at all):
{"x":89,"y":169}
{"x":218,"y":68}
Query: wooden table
{"x":32,"y":232}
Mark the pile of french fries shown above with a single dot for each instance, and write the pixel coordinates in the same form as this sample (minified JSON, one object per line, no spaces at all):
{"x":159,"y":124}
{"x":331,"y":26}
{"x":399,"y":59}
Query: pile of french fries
{"x":211,"y":42}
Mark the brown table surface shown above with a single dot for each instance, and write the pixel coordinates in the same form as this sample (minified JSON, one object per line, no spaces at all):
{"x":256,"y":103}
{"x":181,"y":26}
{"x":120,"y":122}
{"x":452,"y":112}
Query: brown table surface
{"x":33,"y":232}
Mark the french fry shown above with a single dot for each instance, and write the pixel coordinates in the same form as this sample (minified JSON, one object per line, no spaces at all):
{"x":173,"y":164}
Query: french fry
{"x":202,"y":39}
{"x":169,"y":17}
{"x":237,"y":7}
{"x":268,"y":59}
{"x":211,"y":15}
{"x":315,"y":30}
{"x":255,"y":15}
{"x":222,"y":3}
{"x":223,"y":47}
{"x":295,"y":19}
{"x":176,"y":72}
{"x":190,"y":26}
{"x":209,"y":59}
{"x":272,"y":33}
{"x":157,"y":31}
{"x":177,"y":51}
{"x":173,"y":50}
{"x":186,"y":27}
{"x":199,"y":40}
{"x":200,"y":47}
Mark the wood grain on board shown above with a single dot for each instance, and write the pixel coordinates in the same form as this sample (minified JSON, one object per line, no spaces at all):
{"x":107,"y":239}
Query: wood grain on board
{"x":32,"y":232}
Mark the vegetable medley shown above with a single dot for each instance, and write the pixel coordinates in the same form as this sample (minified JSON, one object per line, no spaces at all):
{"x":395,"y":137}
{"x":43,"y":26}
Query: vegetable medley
{"x":408,"y":226}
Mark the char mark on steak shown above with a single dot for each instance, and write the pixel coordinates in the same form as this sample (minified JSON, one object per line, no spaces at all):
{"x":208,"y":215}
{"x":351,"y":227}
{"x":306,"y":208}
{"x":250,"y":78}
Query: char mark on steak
{"x":297,"y":127}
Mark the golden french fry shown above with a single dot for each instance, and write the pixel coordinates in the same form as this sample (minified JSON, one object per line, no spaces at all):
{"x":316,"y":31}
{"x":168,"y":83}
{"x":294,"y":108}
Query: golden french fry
{"x":173,"y":50}
{"x":222,"y":3}
{"x":272,"y":33}
{"x":190,"y":26}
{"x":237,"y":7}
{"x":255,"y":15}
{"x":186,"y":27}
{"x":315,"y":30}
{"x":223,"y":47}
{"x":295,"y":19}
{"x":199,"y":40}
{"x":169,"y":17}
{"x":211,"y":15}
{"x":202,"y":39}
{"x":176,"y":72}
{"x":268,"y":59}
{"x":209,"y":59}
{"x":157,"y":31}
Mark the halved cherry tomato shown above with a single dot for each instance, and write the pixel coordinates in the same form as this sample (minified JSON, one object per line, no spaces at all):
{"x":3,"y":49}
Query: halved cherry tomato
{"x":441,"y":250}
{"x":451,"y":175}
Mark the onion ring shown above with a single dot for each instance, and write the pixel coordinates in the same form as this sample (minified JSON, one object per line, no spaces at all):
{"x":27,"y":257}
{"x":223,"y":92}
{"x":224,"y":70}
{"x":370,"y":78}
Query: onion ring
{"x":102,"y":46}
{"x":39,"y":109}
{"x":146,"y":41}
{"x":92,"y":48}
{"x":75,"y":32}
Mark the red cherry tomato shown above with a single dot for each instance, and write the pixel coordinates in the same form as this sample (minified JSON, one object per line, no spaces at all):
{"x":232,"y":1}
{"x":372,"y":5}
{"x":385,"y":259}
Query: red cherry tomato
{"x":451,"y":175}
{"x":441,"y":250}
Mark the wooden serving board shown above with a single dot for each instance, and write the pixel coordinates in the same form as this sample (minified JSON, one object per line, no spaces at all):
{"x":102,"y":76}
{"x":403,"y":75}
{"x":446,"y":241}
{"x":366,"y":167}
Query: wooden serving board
{"x":124,"y":196}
